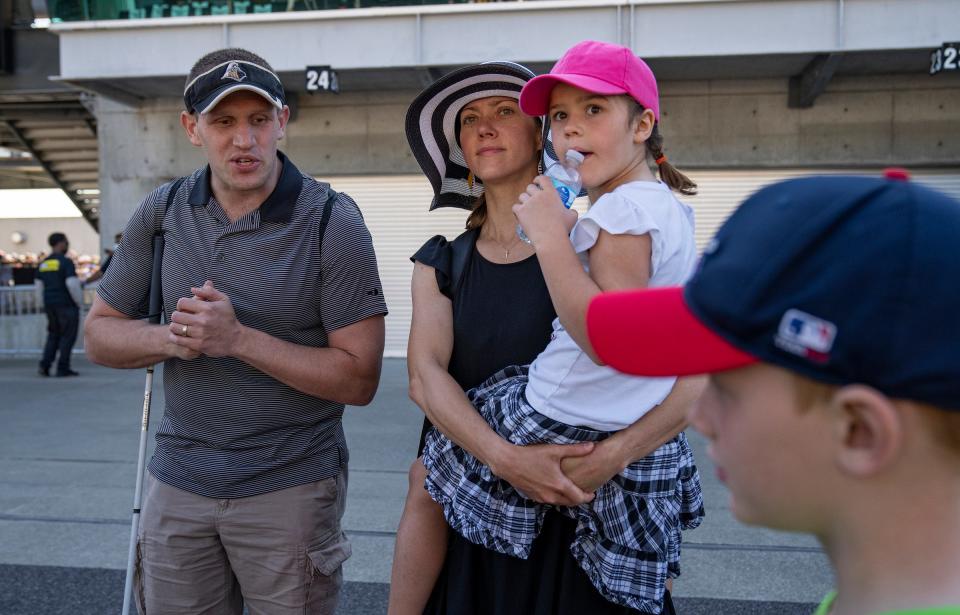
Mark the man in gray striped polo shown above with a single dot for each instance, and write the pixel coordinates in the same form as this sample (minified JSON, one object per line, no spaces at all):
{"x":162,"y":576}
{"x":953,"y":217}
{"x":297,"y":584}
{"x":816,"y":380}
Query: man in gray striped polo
{"x":275,"y":312}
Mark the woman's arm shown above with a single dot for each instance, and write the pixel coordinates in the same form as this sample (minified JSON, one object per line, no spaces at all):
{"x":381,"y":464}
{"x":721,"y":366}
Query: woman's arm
{"x":534,"y":470}
{"x":646,"y":435}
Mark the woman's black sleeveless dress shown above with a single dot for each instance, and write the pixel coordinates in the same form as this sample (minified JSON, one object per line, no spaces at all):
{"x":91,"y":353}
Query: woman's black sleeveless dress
{"x":502,"y":316}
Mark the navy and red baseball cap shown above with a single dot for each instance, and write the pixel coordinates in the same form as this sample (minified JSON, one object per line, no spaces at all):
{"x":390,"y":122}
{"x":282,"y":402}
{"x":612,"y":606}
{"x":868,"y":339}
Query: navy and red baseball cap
{"x":841,"y":279}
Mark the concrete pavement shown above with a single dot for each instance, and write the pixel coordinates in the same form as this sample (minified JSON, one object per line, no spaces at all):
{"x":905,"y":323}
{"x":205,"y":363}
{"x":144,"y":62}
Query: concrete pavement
{"x":68,"y":464}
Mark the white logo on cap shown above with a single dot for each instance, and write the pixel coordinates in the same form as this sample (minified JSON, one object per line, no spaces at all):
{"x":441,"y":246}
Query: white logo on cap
{"x":805,"y":335}
{"x":234,"y":72}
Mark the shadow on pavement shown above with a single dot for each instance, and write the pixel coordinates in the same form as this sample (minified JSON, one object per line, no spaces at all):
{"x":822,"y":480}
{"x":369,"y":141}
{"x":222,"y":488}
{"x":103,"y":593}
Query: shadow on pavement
{"x":55,"y":590}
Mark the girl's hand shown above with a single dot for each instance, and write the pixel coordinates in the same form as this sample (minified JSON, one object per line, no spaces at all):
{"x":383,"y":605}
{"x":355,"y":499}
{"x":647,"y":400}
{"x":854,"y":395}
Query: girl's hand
{"x":541,"y":214}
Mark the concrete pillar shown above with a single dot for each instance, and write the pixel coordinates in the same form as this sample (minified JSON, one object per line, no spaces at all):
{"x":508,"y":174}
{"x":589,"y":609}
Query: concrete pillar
{"x":351,"y":134}
{"x":140,"y":148}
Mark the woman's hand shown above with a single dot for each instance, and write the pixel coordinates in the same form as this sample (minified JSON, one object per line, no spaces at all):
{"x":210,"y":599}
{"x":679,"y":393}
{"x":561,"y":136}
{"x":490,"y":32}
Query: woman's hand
{"x":591,"y":471}
{"x":651,"y":431}
{"x":536,"y":472}
{"x":541,"y":214}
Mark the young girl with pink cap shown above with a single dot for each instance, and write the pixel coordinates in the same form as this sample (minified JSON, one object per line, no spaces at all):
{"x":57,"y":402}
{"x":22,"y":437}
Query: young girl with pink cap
{"x":602,"y":101}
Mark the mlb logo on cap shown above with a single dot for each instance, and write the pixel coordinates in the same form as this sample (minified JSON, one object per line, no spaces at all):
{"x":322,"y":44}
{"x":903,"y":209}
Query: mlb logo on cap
{"x":806,"y":336}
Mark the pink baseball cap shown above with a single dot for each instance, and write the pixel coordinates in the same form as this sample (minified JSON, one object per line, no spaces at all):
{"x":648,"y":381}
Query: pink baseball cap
{"x":601,"y":68}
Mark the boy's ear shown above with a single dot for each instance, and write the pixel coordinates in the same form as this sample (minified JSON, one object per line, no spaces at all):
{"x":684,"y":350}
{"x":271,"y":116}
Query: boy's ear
{"x":869,"y":430}
{"x":643,"y":126}
{"x":189,"y":123}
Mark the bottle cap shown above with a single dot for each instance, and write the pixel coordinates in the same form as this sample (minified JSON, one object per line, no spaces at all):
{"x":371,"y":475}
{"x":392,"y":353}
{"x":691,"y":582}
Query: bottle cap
{"x":897,"y":174}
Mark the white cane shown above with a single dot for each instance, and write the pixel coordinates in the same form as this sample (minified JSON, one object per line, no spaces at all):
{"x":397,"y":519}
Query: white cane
{"x":154,"y":318}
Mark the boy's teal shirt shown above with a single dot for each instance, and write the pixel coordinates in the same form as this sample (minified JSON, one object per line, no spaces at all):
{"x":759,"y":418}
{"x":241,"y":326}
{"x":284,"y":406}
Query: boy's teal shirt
{"x":824,"y":609}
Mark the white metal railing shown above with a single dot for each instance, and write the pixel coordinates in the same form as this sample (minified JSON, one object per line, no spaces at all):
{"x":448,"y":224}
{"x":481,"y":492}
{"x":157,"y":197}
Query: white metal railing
{"x":20,"y":300}
{"x":23,"y":322}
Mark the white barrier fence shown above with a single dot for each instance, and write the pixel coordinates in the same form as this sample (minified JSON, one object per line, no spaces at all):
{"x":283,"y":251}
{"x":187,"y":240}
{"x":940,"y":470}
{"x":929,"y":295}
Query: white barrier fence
{"x":23,"y":322}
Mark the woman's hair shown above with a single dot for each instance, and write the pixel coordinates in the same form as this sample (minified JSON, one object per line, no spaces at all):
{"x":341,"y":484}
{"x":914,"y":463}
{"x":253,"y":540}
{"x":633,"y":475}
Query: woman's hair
{"x":478,"y":213}
{"x":669,"y":174}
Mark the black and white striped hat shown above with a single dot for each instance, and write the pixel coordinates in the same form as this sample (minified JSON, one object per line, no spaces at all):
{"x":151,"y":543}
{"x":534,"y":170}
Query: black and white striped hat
{"x":431,"y":126}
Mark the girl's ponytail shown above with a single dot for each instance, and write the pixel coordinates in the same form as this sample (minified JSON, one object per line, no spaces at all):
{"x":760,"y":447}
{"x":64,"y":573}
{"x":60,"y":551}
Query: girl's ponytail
{"x":669,"y":174}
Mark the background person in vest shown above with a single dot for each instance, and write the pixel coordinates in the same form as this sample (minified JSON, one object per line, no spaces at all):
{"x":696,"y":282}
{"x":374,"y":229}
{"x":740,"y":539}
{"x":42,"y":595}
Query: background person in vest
{"x":275,"y":321}
{"x":62,"y":298}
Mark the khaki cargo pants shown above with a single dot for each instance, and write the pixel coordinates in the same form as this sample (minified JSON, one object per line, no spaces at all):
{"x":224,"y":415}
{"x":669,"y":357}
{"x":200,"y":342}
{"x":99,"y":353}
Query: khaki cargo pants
{"x":277,"y":553}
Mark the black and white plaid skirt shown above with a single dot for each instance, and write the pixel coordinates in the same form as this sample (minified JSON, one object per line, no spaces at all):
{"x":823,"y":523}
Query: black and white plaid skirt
{"x":627,"y":539}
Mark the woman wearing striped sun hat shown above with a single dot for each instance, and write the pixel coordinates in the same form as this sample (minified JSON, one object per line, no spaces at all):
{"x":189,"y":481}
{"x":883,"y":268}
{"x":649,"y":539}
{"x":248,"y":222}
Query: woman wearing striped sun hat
{"x":481,"y":304}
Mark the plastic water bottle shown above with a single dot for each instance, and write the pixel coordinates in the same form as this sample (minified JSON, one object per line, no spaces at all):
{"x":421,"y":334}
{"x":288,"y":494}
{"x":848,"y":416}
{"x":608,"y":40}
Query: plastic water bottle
{"x":566,"y":179}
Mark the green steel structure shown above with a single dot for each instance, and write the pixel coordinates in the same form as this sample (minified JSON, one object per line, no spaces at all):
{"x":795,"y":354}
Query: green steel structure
{"x":82,"y":10}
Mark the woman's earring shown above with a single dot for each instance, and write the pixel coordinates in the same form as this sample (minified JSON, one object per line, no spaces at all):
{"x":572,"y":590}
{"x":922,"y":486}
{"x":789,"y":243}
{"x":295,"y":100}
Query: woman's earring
{"x":470,"y":179}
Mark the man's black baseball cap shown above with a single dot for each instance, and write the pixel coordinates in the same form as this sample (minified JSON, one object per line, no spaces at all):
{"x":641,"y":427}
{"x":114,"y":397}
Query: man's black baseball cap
{"x":206,"y":90}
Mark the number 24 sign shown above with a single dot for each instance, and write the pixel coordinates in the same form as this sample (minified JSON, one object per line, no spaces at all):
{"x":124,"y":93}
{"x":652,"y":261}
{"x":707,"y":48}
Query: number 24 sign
{"x":945,"y":58}
{"x":321,"y":79}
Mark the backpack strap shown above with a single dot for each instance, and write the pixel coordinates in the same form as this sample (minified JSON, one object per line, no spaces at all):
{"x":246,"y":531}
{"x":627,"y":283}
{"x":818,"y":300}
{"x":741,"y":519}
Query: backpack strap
{"x":160,"y":214}
{"x":332,"y":196}
{"x":155,"y":297}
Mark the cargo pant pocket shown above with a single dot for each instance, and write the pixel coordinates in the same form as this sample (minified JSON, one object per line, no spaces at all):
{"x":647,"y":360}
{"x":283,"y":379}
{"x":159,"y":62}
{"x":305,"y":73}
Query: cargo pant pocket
{"x":324,"y":561}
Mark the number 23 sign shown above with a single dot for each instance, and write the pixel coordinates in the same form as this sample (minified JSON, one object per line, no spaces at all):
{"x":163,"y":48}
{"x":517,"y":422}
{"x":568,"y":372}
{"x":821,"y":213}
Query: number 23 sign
{"x":945,"y":58}
{"x":321,"y":79}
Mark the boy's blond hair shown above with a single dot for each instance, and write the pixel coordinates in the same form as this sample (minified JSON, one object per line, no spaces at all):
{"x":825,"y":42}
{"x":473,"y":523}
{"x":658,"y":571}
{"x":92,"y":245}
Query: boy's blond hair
{"x":944,"y":426}
{"x":809,"y":393}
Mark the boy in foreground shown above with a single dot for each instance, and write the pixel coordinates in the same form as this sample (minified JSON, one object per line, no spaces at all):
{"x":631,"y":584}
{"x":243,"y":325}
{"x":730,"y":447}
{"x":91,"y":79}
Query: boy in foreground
{"x":827,"y":311}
